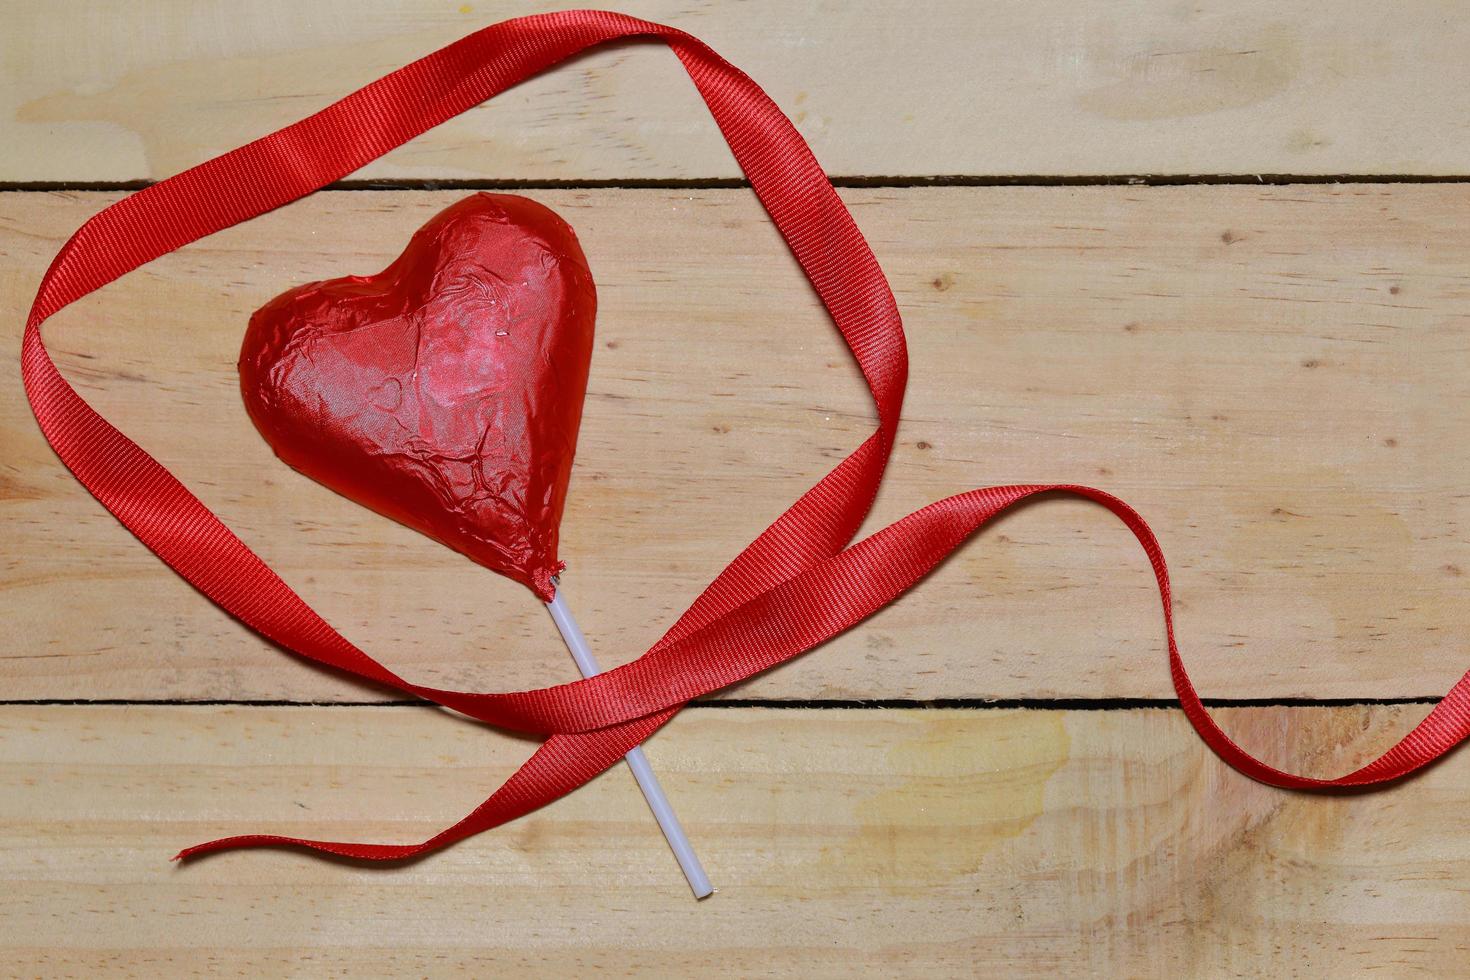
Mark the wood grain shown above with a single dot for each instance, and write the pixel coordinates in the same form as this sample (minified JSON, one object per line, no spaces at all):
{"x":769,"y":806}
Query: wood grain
{"x":142,"y":90}
{"x":1275,"y":377}
{"x":916,"y":843}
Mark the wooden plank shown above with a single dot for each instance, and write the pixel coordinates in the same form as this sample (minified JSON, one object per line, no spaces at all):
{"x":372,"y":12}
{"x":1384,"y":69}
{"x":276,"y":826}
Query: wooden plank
{"x":143,"y":90}
{"x":1276,"y":377}
{"x":1027,"y":843}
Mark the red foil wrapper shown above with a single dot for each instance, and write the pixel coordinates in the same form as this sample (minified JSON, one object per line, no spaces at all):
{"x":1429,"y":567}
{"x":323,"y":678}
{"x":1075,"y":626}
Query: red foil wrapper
{"x":446,"y":391}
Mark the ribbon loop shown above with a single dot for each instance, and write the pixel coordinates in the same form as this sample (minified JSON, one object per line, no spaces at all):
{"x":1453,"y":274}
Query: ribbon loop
{"x":791,"y":588}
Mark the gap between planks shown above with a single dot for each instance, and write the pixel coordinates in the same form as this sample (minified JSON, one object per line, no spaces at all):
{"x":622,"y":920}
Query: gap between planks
{"x":811,"y":704}
{"x":875,"y":182}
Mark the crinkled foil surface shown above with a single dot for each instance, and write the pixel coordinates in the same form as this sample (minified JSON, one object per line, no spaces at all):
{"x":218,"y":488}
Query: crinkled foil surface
{"x":446,"y":391}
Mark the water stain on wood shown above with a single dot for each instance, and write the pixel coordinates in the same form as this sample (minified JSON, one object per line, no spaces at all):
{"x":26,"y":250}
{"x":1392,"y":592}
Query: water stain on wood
{"x":1335,"y":548}
{"x":250,"y":86}
{"x":970,"y":783}
{"x":1168,"y":80}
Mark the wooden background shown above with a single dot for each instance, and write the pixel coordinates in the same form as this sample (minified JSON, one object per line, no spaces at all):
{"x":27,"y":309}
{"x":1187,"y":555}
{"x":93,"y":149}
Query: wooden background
{"x":1269,"y":361}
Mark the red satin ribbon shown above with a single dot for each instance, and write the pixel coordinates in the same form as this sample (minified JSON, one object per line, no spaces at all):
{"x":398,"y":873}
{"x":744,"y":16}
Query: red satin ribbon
{"x":796,"y":585}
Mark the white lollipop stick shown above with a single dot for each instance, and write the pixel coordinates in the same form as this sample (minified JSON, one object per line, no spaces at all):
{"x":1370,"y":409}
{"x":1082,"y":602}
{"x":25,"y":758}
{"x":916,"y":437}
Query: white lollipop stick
{"x":637,"y":761}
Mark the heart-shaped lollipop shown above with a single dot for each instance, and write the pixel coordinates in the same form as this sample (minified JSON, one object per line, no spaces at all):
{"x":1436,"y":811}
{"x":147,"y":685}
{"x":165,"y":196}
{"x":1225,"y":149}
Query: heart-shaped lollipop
{"x":446,"y":392}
